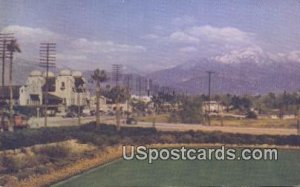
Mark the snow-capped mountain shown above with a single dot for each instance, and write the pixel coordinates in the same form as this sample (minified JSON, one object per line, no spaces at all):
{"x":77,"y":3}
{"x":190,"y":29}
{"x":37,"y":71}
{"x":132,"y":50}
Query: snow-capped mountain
{"x":247,"y":71}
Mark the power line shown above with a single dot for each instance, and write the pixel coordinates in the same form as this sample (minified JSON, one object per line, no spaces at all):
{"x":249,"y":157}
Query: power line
{"x":8,"y":46}
{"x":139,"y":86}
{"x":117,"y":73}
{"x":128,"y":85}
{"x":209,"y":94}
{"x":116,"y":76}
{"x":47,"y":60}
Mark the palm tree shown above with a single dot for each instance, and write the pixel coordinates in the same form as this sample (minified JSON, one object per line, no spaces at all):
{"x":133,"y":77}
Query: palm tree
{"x":97,"y":77}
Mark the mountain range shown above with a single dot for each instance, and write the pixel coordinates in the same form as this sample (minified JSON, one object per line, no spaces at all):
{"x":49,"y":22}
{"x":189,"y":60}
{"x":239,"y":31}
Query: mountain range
{"x":256,"y":73}
{"x":248,"y":74}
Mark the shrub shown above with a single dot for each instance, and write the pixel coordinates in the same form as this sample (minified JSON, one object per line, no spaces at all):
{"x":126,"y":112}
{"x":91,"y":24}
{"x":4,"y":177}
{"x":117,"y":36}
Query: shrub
{"x":189,"y":112}
{"x":251,"y":115}
{"x":27,"y":172}
{"x":55,"y":152}
{"x":8,"y":180}
{"x":12,"y":163}
{"x":167,"y":138}
{"x":185,"y":138}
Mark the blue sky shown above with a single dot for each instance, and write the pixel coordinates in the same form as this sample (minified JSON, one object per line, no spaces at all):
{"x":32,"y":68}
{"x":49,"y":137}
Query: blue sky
{"x":150,"y":34}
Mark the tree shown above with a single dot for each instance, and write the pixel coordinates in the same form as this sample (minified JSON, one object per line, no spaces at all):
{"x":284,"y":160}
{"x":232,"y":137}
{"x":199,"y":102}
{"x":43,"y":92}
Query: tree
{"x":98,"y":76}
{"x":251,"y":115}
{"x":190,"y":111}
{"x":116,"y":94}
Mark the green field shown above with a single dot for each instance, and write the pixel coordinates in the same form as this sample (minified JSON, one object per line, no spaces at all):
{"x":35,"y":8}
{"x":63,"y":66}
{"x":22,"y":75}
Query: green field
{"x":285,"y":171}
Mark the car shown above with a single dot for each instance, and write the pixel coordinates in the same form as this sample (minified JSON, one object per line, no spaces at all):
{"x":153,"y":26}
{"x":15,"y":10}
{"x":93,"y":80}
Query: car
{"x":70,"y":115}
{"x":85,"y":113}
{"x":131,"y":120}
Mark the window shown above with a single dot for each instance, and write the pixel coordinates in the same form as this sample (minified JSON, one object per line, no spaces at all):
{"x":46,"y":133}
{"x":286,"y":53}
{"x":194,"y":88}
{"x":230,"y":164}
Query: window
{"x":62,"y":87}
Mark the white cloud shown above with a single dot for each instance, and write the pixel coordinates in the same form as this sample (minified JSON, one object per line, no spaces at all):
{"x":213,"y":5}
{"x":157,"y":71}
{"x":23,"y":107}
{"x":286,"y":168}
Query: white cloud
{"x":31,"y":35}
{"x":150,"y":36}
{"x":184,"y":21}
{"x":188,"y":49}
{"x":227,"y":36}
{"x":293,"y":56}
{"x":87,"y":46}
{"x":74,"y":52}
{"x":182,"y":37}
{"x":70,"y":56}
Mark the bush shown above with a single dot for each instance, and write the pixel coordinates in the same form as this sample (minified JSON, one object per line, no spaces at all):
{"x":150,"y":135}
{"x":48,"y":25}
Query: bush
{"x":103,"y":135}
{"x":167,"y":138}
{"x":190,"y":112}
{"x":12,"y":163}
{"x":185,"y":138}
{"x":251,"y":115}
{"x":8,"y":180}
{"x":55,"y":152}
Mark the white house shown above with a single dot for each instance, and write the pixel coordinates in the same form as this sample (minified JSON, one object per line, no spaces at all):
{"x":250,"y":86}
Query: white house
{"x":212,"y":106}
{"x":143,"y":98}
{"x":31,"y":93}
{"x":72,"y":88}
{"x":67,"y":89}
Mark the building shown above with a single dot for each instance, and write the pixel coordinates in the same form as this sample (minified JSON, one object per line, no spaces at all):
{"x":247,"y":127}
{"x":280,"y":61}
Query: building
{"x":103,"y":107}
{"x":32,"y":92}
{"x":212,"y":106}
{"x":144,"y":98}
{"x":64,"y":90}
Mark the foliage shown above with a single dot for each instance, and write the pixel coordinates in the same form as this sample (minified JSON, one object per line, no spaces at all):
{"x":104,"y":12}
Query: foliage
{"x":115,"y":94}
{"x":138,"y":105}
{"x":54,"y":152}
{"x":164,"y":97}
{"x":99,"y":76}
{"x":103,"y":135}
{"x":251,"y":115}
{"x":190,"y":111}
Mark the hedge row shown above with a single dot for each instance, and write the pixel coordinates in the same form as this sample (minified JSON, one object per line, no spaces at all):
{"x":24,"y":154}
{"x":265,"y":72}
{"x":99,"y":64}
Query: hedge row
{"x":104,"y":135}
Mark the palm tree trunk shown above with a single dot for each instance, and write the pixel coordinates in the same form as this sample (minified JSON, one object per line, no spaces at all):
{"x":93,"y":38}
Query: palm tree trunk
{"x":98,"y":104}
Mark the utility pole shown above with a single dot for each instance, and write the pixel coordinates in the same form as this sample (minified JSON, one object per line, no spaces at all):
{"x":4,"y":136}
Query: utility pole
{"x":150,"y":87}
{"x":139,"y":86}
{"x":47,"y":60}
{"x":209,"y":94}
{"x":128,"y":85}
{"x":79,"y":91}
{"x":98,"y":101}
{"x":11,"y":47}
{"x":298,"y":122}
{"x":117,"y":74}
{"x":149,"y":92}
{"x":5,"y":39}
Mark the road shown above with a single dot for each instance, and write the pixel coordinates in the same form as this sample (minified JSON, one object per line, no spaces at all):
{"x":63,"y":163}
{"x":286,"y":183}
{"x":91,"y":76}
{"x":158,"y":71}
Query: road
{"x":227,"y":129}
{"x":59,"y":121}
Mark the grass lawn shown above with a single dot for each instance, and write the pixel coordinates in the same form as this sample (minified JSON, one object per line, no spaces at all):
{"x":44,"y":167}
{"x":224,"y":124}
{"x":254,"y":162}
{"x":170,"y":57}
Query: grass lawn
{"x":264,"y":122}
{"x":285,"y":172}
{"x":162,"y":118}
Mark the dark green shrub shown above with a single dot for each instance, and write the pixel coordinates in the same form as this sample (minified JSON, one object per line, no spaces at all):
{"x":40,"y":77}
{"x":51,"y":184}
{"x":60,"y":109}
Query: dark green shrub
{"x":55,"y":152}
{"x":251,"y":115}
